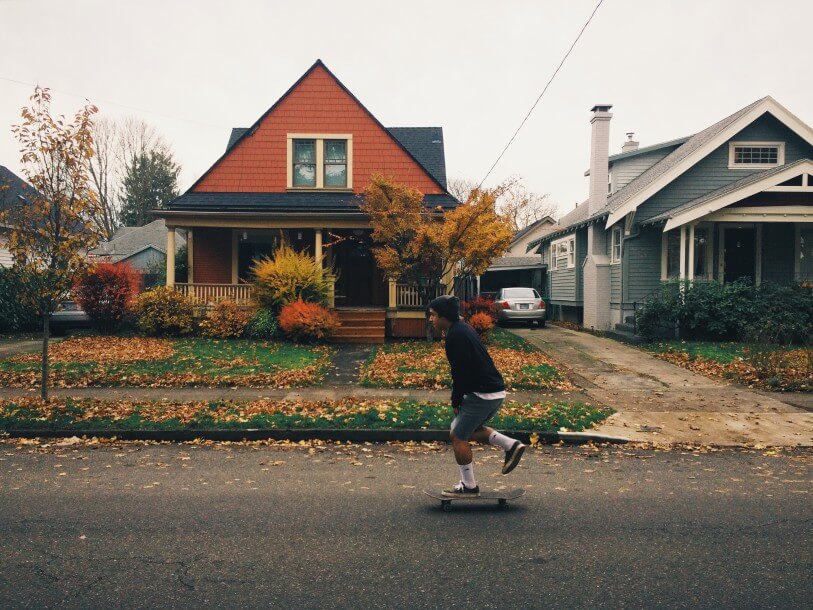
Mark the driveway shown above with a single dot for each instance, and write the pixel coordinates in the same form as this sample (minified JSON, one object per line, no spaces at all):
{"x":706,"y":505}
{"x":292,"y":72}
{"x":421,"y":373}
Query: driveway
{"x":657,"y":400}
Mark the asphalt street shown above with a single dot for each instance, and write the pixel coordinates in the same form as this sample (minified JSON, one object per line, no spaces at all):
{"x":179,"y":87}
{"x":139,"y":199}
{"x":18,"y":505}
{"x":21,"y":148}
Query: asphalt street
{"x":133,"y":525}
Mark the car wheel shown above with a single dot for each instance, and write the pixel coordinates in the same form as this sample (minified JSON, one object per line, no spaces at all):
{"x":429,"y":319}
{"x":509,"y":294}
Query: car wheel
{"x":541,"y":323}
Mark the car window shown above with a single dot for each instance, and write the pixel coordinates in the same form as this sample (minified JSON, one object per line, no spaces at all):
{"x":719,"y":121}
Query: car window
{"x":520,"y":293}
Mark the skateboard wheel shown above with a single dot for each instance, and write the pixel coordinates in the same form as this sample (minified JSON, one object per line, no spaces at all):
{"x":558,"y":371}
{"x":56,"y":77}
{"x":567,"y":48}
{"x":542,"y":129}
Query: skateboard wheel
{"x":447,"y":506}
{"x":503,"y":505}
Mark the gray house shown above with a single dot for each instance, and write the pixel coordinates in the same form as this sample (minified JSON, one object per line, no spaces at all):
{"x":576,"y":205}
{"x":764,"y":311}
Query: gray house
{"x":144,"y":248}
{"x":732,"y":201}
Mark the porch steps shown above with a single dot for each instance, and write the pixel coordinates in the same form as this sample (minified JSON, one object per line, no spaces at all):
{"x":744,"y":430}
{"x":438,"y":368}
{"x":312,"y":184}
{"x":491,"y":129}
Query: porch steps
{"x":361,"y":326}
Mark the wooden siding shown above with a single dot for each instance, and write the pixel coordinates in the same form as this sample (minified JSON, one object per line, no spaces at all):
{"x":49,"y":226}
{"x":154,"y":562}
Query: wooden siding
{"x":626,"y":170}
{"x":641,"y":264}
{"x":712,"y":172}
{"x":778,"y":251}
{"x":563,"y":280}
{"x":581,"y":255}
{"x":407,"y":328}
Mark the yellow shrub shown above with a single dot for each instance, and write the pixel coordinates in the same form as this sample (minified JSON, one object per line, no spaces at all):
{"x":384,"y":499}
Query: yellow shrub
{"x":226,"y":320}
{"x":288,"y":277}
{"x":163,"y":311}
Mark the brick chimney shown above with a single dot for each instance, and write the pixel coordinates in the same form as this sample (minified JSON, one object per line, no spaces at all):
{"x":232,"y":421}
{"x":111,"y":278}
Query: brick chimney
{"x":630,"y":144}
{"x":599,"y":153}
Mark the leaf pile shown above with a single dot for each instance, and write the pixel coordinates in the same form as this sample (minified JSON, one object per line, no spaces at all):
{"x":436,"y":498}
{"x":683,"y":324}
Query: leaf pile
{"x":131,"y":361}
{"x":88,"y":414}
{"x":104,"y":350}
{"x":787,"y":370}
{"x":422,"y":365}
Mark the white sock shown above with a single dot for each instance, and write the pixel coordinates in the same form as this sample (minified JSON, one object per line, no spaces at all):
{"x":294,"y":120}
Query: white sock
{"x":500,"y":440}
{"x":467,"y":475}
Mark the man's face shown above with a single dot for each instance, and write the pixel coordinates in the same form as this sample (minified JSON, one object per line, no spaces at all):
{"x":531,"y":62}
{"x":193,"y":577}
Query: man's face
{"x":438,"y":323}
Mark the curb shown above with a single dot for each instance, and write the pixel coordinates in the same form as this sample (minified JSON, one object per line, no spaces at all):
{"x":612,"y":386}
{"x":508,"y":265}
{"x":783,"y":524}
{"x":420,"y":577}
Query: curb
{"x":304,"y":434}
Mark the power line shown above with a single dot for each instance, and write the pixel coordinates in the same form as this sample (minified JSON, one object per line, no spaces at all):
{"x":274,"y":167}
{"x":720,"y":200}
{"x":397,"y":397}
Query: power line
{"x":555,"y":72}
{"x":112,"y":103}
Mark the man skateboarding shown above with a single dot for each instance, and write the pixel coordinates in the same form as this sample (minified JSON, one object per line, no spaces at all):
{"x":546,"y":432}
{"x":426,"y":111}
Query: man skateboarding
{"x":478,"y":391}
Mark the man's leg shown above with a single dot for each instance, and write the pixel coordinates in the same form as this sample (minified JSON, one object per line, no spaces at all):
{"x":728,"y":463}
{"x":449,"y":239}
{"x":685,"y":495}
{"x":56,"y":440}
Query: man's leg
{"x":512,"y":447}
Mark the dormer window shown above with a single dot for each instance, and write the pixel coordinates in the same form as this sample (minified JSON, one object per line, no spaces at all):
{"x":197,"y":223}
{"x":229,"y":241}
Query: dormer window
{"x":320,"y":161}
{"x":755,"y":155}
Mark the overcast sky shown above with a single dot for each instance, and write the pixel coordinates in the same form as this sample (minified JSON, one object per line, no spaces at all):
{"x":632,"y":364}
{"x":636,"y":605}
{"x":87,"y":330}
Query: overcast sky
{"x":195,"y":69}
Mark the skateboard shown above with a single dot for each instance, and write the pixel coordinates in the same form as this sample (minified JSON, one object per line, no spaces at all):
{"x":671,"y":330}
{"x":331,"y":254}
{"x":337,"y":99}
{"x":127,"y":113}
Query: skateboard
{"x":501,"y":497}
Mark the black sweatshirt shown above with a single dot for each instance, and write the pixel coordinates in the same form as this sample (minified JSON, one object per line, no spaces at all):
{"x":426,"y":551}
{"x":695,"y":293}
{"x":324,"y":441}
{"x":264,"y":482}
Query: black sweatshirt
{"x":473,"y":369}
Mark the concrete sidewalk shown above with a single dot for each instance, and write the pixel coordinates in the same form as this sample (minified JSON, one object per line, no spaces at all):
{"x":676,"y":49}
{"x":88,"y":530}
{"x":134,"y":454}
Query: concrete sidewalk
{"x":663,"y":403}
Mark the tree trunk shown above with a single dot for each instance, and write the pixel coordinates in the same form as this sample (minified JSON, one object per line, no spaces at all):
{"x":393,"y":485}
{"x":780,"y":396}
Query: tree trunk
{"x":46,"y":333}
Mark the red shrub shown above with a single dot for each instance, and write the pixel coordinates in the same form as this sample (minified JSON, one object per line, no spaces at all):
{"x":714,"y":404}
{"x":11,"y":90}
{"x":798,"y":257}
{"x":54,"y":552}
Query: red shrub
{"x":302,"y":321}
{"x":105,"y":293}
{"x":479,"y":305}
{"x":482,"y":323}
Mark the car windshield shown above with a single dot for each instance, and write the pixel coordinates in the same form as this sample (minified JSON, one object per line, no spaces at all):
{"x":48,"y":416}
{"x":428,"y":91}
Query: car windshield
{"x":520,"y":293}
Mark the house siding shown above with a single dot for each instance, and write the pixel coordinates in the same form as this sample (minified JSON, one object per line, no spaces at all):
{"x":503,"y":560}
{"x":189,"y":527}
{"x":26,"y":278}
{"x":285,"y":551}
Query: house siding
{"x":563,"y":280}
{"x":626,"y":170}
{"x":581,"y":255}
{"x":212,"y":256}
{"x":778,"y":251}
{"x":615,"y":271}
{"x":147,"y":260}
{"x":641,"y":264}
{"x":712,"y":172}
{"x":259,"y":162}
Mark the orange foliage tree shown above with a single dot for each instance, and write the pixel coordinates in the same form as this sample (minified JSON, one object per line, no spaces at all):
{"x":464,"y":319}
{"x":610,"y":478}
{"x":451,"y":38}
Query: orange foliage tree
{"x":50,"y":229}
{"x":419,"y":245}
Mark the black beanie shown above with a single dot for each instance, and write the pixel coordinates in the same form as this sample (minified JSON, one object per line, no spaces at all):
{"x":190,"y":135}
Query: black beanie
{"x":447,"y":307}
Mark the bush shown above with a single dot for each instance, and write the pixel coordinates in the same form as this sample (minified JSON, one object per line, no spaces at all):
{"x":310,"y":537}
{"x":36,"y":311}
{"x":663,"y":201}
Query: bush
{"x":479,"y":305}
{"x":768,"y":313}
{"x":288,"y":277}
{"x":302,"y":321}
{"x":106,"y":292}
{"x":226,"y":320}
{"x":482,"y":323}
{"x":263,"y":325}
{"x":163,"y":311}
{"x":15,"y":314}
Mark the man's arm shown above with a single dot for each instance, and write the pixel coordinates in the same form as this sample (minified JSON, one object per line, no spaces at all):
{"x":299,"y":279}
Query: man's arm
{"x":459,"y":361}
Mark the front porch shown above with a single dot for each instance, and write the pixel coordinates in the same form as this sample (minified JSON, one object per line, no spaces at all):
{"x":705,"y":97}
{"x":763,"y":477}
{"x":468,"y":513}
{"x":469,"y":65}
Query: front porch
{"x":369,"y":305}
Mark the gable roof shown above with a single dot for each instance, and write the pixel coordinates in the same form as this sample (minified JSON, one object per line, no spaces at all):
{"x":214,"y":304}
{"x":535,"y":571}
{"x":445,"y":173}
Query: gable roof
{"x":236,"y":139}
{"x":135,"y":239}
{"x":426,"y":146}
{"x":758,"y":180}
{"x":12,"y":187}
{"x":236,"y":134}
{"x":693,"y":150}
{"x":549,"y":220}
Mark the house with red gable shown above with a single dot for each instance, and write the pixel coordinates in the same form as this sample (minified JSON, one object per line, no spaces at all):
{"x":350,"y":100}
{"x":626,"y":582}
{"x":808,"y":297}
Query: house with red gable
{"x":298,"y":174}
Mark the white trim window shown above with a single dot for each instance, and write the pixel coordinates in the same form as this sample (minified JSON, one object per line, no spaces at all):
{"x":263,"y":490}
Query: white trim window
{"x":320,"y":161}
{"x":615,"y":246}
{"x":564,"y":248}
{"x":755,"y":155}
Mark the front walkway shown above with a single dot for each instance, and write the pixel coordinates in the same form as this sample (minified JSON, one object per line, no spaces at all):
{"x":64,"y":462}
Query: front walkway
{"x":660,"y":402}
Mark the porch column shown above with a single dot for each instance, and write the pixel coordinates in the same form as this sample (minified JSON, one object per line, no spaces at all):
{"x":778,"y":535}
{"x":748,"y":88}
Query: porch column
{"x":170,"y":256}
{"x":683,"y":252}
{"x":691,"y":252}
{"x":190,"y":265}
{"x":478,"y":285}
{"x":317,"y":246}
{"x":393,"y":300}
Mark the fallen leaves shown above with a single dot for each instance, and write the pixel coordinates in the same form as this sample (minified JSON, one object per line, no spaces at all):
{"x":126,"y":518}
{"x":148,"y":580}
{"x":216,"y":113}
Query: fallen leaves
{"x":104,"y":350}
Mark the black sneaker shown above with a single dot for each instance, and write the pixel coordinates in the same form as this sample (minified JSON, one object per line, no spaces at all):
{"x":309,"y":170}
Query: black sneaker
{"x":512,"y":457}
{"x":461,"y":490}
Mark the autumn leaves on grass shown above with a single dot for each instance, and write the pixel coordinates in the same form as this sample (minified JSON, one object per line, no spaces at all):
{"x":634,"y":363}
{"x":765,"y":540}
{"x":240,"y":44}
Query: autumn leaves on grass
{"x":152,"y":362}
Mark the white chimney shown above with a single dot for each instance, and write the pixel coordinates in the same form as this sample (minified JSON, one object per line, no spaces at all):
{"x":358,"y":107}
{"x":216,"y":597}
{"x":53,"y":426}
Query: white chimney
{"x":630,"y":144}
{"x":599,"y":153}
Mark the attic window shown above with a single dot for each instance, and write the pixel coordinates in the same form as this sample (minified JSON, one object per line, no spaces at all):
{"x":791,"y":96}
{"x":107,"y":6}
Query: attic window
{"x":320,"y":161}
{"x":755,"y":155}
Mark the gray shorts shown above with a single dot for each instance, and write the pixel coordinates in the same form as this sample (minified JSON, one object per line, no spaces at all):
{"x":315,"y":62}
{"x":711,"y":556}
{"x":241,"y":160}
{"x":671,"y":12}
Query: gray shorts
{"x":474,"y":412}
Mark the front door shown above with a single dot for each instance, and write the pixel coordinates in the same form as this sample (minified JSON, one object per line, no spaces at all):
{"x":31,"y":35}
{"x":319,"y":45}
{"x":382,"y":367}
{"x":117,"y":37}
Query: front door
{"x":740,"y":254}
{"x":360,"y":282}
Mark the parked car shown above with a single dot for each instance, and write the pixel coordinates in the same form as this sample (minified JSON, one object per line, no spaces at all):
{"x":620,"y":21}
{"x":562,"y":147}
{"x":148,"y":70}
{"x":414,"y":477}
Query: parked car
{"x":520,"y":305}
{"x":68,"y":315}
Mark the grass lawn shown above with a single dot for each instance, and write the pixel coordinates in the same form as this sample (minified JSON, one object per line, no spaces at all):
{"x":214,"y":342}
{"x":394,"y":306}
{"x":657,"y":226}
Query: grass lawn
{"x":68,"y":414}
{"x":137,"y":361}
{"x":777,"y":367}
{"x":418,"y":364}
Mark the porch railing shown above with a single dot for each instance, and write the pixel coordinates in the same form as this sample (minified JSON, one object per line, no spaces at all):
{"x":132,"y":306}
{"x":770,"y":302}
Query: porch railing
{"x":205,"y":294}
{"x":408,"y":295}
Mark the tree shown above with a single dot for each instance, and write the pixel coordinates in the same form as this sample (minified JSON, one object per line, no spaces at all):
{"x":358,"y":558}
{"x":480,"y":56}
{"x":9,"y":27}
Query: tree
{"x":515,"y":202}
{"x":51,"y":229}
{"x":150,"y":180}
{"x":419,"y":245}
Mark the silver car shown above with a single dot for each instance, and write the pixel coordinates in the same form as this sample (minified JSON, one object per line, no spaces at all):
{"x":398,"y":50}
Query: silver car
{"x":520,"y":305}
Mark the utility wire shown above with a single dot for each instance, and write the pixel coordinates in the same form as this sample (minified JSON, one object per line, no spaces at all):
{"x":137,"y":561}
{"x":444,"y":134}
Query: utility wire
{"x":112,"y":103}
{"x":555,"y":72}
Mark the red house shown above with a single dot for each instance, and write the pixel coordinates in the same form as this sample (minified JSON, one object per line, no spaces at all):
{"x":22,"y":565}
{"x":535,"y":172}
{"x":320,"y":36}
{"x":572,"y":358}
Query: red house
{"x":297,"y":173}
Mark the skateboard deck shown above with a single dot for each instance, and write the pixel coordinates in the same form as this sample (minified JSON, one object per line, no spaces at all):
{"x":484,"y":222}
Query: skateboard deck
{"x":501,"y":497}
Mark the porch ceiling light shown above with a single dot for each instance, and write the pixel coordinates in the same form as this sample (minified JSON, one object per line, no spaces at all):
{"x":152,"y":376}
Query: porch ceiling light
{"x":245,"y":235}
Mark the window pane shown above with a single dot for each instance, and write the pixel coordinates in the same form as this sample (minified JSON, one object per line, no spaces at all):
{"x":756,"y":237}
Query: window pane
{"x":673,"y":254}
{"x":304,"y":151}
{"x":762,"y":155}
{"x":519,"y":293}
{"x":305,"y":174}
{"x":335,"y":175}
{"x":335,"y":151}
{"x":701,"y":241}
